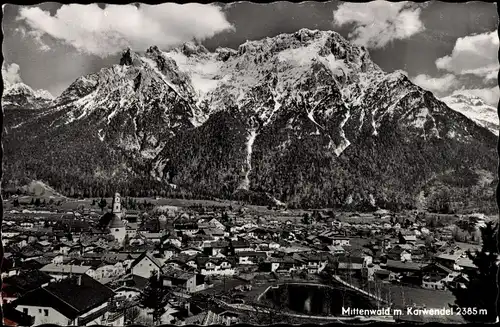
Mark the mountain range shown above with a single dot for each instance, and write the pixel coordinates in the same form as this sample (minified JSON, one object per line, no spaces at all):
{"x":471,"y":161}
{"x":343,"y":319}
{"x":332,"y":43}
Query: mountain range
{"x":306,"y":118}
{"x":476,"y":109}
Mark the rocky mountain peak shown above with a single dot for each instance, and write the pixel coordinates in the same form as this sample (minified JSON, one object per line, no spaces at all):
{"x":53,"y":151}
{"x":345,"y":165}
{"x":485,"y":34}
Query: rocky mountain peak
{"x":20,"y":95}
{"x":129,"y":58}
{"x":192,"y":48}
{"x":474,"y":108}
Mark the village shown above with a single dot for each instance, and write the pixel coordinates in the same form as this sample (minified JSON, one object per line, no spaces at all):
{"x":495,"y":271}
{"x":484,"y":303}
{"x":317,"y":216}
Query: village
{"x":99,"y":262}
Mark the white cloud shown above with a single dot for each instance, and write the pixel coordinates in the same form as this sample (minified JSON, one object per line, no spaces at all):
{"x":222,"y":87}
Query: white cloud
{"x":102,"y":32}
{"x":488,"y":95}
{"x":435,"y":84}
{"x":10,"y":74}
{"x":34,"y":35}
{"x":377,"y":23}
{"x":475,"y":54}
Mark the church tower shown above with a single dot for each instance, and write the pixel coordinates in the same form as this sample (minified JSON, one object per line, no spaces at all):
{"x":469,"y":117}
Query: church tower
{"x":117,"y":207}
{"x":116,"y":226}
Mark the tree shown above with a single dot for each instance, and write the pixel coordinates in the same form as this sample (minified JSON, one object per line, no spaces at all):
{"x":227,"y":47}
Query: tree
{"x":132,"y":313}
{"x":306,"y":219}
{"x":155,"y":296}
{"x":429,"y":242}
{"x":481,"y":288}
{"x":126,"y":241}
{"x":102,"y":204}
{"x":15,"y":203}
{"x":93,"y":202}
{"x":37,"y":202}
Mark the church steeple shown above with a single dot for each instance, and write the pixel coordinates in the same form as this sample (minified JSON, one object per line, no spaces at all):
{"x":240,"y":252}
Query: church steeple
{"x":116,"y":225}
{"x":117,"y":209}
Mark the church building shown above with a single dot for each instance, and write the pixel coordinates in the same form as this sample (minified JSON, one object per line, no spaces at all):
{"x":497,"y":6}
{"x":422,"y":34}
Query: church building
{"x":113,"y":220}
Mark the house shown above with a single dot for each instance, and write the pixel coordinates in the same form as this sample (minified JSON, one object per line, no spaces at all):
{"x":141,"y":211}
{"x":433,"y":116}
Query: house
{"x":405,"y":256}
{"x":240,"y":245}
{"x":446,"y":234}
{"x":128,"y":287}
{"x":405,"y":238}
{"x":399,"y":266}
{"x":174,"y":240}
{"x":215,"y":248}
{"x":418,"y":254}
{"x":26,"y":280}
{"x":169,"y":250}
{"x":179,"y":262}
{"x":131,"y":229}
{"x":145,"y":264}
{"x":207,"y":317}
{"x":216,"y":224}
{"x":187,"y":228}
{"x":63,"y":271}
{"x":215,"y":233}
{"x":151,"y":237}
{"x":459,"y":281}
{"x":381,"y":274}
{"x":340,"y":240}
{"x":316,"y":263}
{"x":14,"y":318}
{"x":433,"y":282}
{"x":466,"y":265}
{"x":285,"y":264}
{"x":259,"y":232}
{"x":250,"y":257}
{"x":185,"y":281}
{"x":436,"y":276}
{"x":63,"y":248}
{"x":43,"y":246}
{"x":215,"y":266}
{"x":449,"y":260}
{"x":191,"y":251}
{"x":75,"y":301}
{"x":335,"y":249}
{"x":107,"y":271}
{"x":349,"y":263}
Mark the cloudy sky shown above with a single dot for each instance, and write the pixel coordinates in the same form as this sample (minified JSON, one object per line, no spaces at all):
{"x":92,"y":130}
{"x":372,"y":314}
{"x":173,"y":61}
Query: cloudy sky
{"x":444,"y":47}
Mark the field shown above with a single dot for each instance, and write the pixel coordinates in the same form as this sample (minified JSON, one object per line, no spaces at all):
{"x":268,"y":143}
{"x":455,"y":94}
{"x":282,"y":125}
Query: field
{"x":74,"y":204}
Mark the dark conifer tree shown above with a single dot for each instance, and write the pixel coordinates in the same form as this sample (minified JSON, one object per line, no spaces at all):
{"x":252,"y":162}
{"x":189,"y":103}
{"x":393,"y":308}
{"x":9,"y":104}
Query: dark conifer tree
{"x":481,"y":290}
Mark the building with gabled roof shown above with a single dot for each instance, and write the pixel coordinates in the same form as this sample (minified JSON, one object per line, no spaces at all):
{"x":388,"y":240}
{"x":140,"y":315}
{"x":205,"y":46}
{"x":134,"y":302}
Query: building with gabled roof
{"x":62,"y":271}
{"x":79,"y":301}
{"x":145,"y":264}
{"x":26,"y":280}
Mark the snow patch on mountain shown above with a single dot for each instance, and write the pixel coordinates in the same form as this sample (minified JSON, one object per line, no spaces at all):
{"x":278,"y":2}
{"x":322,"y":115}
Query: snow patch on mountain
{"x":300,"y":57}
{"x":23,"y":96}
{"x":337,"y":67}
{"x":421,"y":118}
{"x":475,"y":109}
{"x":100,"y":135}
{"x":44,"y":94}
{"x":344,"y":142}
{"x":252,"y":135}
{"x":203,"y":70}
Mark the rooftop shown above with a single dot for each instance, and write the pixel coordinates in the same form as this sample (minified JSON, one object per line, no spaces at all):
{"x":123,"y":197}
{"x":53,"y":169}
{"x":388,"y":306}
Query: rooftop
{"x":68,"y":269}
{"x":71,"y":297}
